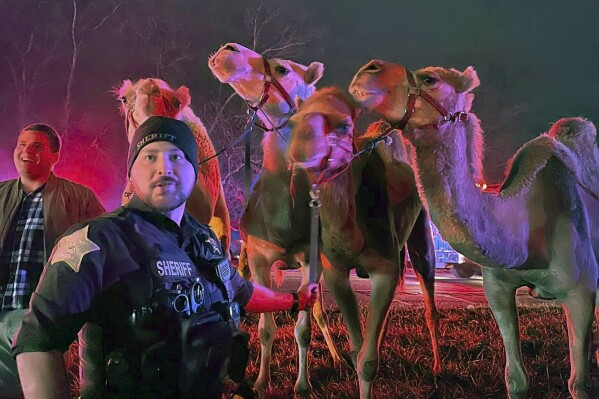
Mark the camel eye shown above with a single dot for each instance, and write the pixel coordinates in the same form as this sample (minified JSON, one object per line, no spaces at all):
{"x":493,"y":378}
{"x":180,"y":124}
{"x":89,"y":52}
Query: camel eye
{"x":428,"y":80}
{"x":124,"y":100}
{"x":281,"y":70}
{"x":343,"y":128}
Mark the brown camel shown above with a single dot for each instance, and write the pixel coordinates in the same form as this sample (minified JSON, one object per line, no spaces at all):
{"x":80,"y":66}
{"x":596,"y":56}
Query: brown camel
{"x":357,"y":227}
{"x":148,"y":97}
{"x":243,"y":70}
{"x":274,"y":224}
{"x":534,"y":233}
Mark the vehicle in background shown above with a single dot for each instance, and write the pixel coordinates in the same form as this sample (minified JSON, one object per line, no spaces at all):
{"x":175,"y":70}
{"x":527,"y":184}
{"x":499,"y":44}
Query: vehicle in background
{"x":449,"y":259}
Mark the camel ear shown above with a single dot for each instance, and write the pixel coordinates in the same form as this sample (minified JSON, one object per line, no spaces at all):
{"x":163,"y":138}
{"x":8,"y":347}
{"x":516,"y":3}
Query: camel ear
{"x":469,"y":80}
{"x":126,"y":85}
{"x":183,"y":96}
{"x":314,"y":73}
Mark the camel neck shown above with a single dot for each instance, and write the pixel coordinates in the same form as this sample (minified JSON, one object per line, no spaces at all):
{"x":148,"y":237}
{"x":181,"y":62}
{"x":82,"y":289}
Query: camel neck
{"x":274,"y":148}
{"x":340,"y":228}
{"x":473,"y":222}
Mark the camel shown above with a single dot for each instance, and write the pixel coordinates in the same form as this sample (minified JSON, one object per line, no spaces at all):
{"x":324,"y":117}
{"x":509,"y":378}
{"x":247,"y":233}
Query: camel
{"x":357,"y":224}
{"x":274,"y":225}
{"x":534,"y":233}
{"x":243,"y":70}
{"x":152,"y":96}
{"x":580,"y":135}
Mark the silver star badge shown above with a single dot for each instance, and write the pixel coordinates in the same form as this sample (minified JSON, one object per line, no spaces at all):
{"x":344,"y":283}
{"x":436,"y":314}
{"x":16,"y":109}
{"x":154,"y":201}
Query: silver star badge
{"x":213,"y":244}
{"x":72,"y":248}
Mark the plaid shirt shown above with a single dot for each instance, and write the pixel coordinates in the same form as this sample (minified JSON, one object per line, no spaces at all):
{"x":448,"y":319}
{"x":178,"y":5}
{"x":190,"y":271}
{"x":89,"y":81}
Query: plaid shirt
{"x":25,"y":254}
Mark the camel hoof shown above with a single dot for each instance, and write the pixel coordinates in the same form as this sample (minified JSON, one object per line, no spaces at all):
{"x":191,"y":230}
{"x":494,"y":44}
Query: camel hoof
{"x":260,"y":385}
{"x":303,"y":390}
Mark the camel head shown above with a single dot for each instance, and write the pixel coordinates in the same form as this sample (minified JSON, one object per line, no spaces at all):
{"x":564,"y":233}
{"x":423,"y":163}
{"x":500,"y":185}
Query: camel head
{"x":322,"y":132}
{"x":244,"y":70}
{"x":577,"y":133}
{"x":440,"y":97}
{"x":148,"y":97}
{"x":384,"y":87}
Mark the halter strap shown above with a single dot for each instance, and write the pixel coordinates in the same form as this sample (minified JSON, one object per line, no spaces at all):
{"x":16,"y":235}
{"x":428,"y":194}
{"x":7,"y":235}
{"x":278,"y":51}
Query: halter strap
{"x":271,"y":80}
{"x":414,"y":90}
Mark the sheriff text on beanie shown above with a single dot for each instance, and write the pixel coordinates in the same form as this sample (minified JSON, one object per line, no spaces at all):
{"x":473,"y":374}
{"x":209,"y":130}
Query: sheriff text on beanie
{"x":160,"y":128}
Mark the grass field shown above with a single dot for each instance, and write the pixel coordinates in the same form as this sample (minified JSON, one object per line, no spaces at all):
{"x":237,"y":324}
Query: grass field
{"x":471,"y":351}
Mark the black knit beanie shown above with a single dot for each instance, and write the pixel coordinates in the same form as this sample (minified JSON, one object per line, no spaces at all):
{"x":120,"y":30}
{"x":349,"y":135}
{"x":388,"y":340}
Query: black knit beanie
{"x":161,"y":128}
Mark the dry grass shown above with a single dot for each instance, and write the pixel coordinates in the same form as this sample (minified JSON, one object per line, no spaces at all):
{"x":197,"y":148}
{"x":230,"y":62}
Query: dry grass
{"x":471,"y":350}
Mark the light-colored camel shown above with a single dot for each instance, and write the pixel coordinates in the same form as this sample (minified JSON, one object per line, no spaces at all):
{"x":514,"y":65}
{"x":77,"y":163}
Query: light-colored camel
{"x":580,"y":135}
{"x":534,"y":233}
{"x":275,"y":222}
{"x":148,"y":97}
{"x":356,"y":219}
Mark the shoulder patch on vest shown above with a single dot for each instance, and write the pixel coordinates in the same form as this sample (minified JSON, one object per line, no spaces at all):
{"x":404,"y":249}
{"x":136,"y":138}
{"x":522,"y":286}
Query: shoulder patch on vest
{"x":72,"y":248}
{"x":215,"y":247}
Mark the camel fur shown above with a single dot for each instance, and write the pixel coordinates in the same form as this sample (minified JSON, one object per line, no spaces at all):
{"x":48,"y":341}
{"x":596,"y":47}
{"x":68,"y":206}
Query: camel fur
{"x":264,"y":218}
{"x":275,"y":222}
{"x":152,"y":96}
{"x":357,"y":218}
{"x":536,"y":234}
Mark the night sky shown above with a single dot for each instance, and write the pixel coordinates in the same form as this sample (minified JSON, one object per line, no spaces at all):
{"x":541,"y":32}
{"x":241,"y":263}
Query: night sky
{"x":536,"y":60}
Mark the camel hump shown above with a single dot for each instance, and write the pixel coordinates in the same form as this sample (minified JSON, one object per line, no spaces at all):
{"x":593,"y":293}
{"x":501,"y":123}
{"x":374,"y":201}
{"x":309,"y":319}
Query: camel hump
{"x":530,"y":159}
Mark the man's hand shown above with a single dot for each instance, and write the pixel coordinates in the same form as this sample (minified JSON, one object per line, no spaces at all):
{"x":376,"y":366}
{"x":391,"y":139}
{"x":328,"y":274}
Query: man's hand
{"x":308,"y":295}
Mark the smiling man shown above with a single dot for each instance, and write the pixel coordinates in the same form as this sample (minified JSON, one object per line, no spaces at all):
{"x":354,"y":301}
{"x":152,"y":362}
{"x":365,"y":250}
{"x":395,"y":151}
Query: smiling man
{"x":157,"y":283}
{"x":35,"y":209}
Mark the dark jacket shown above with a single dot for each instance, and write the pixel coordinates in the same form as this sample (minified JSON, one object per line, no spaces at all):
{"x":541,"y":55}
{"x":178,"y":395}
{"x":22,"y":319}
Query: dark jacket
{"x":65,"y":203}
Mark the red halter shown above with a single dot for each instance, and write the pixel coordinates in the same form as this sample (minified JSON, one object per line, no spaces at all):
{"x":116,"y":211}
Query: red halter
{"x":414,"y":90}
{"x":271,"y":80}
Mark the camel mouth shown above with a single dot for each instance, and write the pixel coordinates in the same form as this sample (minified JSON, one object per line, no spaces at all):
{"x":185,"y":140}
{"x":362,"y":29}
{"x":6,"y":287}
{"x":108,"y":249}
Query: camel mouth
{"x":367,"y":99}
{"x":224,"y":67}
{"x":364,"y":94}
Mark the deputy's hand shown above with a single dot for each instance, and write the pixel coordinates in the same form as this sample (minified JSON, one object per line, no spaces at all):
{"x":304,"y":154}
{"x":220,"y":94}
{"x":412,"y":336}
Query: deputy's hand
{"x":308,"y":295}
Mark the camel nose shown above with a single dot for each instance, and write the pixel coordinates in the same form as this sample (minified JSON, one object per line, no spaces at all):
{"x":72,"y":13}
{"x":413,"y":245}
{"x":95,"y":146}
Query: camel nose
{"x":374,"y":66}
{"x":230,"y":47}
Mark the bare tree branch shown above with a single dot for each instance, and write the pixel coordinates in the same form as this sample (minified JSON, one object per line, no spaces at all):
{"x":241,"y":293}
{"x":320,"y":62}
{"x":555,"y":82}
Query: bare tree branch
{"x":107,"y":17}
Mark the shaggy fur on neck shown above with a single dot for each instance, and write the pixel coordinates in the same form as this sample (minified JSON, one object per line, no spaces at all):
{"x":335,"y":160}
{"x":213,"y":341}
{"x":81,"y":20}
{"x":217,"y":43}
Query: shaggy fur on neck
{"x":476,"y":147}
{"x":275,"y":151}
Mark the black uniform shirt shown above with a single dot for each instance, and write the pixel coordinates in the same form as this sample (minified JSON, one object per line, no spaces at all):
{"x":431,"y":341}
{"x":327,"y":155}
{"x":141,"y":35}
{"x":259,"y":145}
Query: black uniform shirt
{"x":103,"y":269}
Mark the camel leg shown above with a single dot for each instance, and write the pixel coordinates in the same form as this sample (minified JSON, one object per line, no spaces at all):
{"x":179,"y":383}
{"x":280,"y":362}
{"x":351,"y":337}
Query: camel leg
{"x":260,"y":268}
{"x":303,"y":336}
{"x":303,"y":333}
{"x":338,"y":282}
{"x":321,"y":320}
{"x":579,"y":309}
{"x":422,"y":254}
{"x":384,"y":276}
{"x":502,"y":300}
